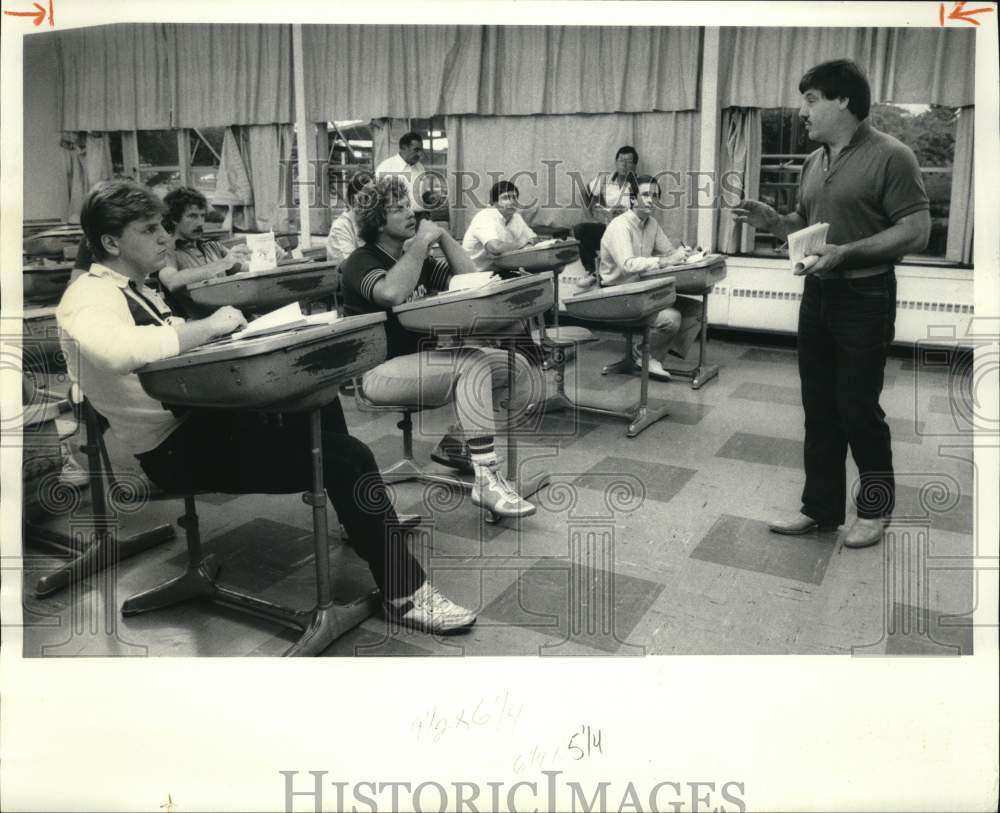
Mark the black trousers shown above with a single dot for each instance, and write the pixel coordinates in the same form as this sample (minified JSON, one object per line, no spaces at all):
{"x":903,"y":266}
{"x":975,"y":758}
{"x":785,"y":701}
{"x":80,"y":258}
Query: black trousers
{"x":589,"y":236}
{"x":219,"y":451}
{"x":845,"y":329}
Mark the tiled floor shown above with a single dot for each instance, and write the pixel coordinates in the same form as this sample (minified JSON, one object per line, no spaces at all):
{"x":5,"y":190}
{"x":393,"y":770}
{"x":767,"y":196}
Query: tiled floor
{"x":656,"y":545}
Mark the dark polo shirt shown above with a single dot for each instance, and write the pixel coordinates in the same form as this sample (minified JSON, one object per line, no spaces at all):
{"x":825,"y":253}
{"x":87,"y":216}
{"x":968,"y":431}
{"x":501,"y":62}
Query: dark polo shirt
{"x":874,"y":181}
{"x":360,"y":273}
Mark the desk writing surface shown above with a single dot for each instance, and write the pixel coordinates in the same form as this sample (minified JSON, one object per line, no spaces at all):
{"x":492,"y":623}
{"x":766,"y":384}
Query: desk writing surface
{"x":487,"y":308}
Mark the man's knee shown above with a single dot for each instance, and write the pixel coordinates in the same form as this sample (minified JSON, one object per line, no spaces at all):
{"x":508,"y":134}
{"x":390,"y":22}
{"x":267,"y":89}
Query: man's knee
{"x":668,"y":321}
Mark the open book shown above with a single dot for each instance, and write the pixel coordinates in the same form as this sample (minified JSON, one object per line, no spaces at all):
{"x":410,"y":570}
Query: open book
{"x":282,"y":319}
{"x":803,"y":244}
{"x":476,"y":279}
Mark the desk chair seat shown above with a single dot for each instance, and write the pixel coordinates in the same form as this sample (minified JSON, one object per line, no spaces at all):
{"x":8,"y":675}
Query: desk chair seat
{"x":101,"y":548}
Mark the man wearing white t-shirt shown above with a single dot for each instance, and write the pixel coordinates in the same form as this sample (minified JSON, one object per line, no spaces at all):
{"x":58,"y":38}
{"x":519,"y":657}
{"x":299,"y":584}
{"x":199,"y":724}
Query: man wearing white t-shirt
{"x":604,"y":199}
{"x":406,"y":166}
{"x":497,"y":229}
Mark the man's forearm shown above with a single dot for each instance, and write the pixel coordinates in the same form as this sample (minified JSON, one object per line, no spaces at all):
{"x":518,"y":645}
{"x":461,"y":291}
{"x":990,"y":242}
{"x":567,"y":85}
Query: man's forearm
{"x":786,"y":224}
{"x":402,"y":278}
{"x":174,"y":279}
{"x":899,"y":239}
{"x":460,"y":262}
{"x":195,"y":333}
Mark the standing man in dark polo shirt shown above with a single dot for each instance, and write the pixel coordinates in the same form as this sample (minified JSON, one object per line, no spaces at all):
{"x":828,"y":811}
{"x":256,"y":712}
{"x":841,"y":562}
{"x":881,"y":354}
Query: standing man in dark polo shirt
{"x":867,"y":186}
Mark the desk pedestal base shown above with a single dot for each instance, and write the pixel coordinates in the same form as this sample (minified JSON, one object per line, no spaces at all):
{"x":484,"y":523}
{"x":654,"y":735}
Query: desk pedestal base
{"x":640,"y":417}
{"x":96,"y":557}
{"x":320,"y":626}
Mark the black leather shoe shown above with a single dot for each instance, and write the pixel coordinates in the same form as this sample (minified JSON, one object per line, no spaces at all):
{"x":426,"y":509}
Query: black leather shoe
{"x":797,"y":526}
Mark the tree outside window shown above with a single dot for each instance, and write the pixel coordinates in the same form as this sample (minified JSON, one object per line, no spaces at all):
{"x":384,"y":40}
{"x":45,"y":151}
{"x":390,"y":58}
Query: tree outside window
{"x":929,"y":130}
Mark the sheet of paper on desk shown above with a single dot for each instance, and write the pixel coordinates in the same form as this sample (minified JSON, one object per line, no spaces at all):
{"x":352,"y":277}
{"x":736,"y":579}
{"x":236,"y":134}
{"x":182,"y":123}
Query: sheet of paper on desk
{"x":263,"y":251}
{"x":803,"y":245}
{"x":476,"y":279}
{"x":281,"y":319}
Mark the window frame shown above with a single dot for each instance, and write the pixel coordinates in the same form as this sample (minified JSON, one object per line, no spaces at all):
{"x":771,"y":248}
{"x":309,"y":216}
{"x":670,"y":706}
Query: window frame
{"x":791,"y":162}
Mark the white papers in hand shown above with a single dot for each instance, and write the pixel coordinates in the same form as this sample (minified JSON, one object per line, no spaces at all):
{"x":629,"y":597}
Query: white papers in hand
{"x":803,"y":245}
{"x":476,"y":279}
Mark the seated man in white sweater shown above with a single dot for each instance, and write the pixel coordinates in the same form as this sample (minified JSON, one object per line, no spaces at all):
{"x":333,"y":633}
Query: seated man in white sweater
{"x":497,"y":229}
{"x":633,"y":243}
{"x":112,"y":323}
{"x":343,"y":237}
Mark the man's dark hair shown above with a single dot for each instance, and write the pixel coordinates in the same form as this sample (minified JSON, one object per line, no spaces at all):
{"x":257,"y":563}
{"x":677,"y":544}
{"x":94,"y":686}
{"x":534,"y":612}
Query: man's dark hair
{"x":359,"y":180}
{"x":840,"y":79}
{"x":111,"y":208}
{"x":371,"y":204}
{"x":501,"y":187}
{"x":177,"y":202}
{"x":639,"y":181}
{"x":406,"y":139}
{"x":626,"y":150}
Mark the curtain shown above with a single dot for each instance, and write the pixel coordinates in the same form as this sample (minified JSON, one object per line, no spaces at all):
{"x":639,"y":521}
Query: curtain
{"x":551,"y":159}
{"x":962,"y":216}
{"x":904,"y":65}
{"x":97,"y":159}
{"x":739,"y":174}
{"x":232,"y":74}
{"x":420,"y":71}
{"x":266,"y":148}
{"x":76,"y":177}
{"x":232,"y":184}
{"x":157,"y":76}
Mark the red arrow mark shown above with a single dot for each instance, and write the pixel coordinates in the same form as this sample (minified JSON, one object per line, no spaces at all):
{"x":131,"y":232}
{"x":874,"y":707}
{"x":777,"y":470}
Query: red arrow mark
{"x":959,"y":12}
{"x":38,"y":14}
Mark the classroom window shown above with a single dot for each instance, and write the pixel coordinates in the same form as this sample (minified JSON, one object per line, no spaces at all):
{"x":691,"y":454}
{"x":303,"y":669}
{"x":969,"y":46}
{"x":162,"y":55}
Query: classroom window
{"x":435,"y":161}
{"x":159,"y":162}
{"x":350,"y":148}
{"x":205,"y":145}
{"x":929,"y":130}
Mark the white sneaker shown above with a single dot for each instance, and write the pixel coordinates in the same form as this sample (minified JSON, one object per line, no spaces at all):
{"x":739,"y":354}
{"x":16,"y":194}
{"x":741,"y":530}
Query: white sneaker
{"x":73,"y":474}
{"x":492,"y":491}
{"x":429,"y":611}
{"x":656,"y":368}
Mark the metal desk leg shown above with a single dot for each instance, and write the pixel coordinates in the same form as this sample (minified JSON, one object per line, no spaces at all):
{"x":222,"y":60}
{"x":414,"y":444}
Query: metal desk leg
{"x":329,"y":620}
{"x":644,"y":416}
{"x":526,"y":487}
{"x":702,"y":372}
{"x":321,"y":626}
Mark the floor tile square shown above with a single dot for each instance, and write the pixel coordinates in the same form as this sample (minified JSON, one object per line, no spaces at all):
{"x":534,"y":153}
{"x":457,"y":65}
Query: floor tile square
{"x":953,"y":512}
{"x":768,"y":393}
{"x":656,"y":481}
{"x":762,"y":449}
{"x":923,"y":632}
{"x":576,"y":603}
{"x":256,"y":554}
{"x":748,"y":544}
{"x":770,"y":355}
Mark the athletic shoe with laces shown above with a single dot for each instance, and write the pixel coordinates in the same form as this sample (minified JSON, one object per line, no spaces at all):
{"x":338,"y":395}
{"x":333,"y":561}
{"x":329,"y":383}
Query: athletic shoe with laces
{"x":428,"y":610}
{"x":656,"y":368}
{"x":492,"y":491}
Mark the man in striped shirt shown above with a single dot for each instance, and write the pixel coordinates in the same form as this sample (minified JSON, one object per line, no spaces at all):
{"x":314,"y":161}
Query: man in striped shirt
{"x":382,"y":274}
